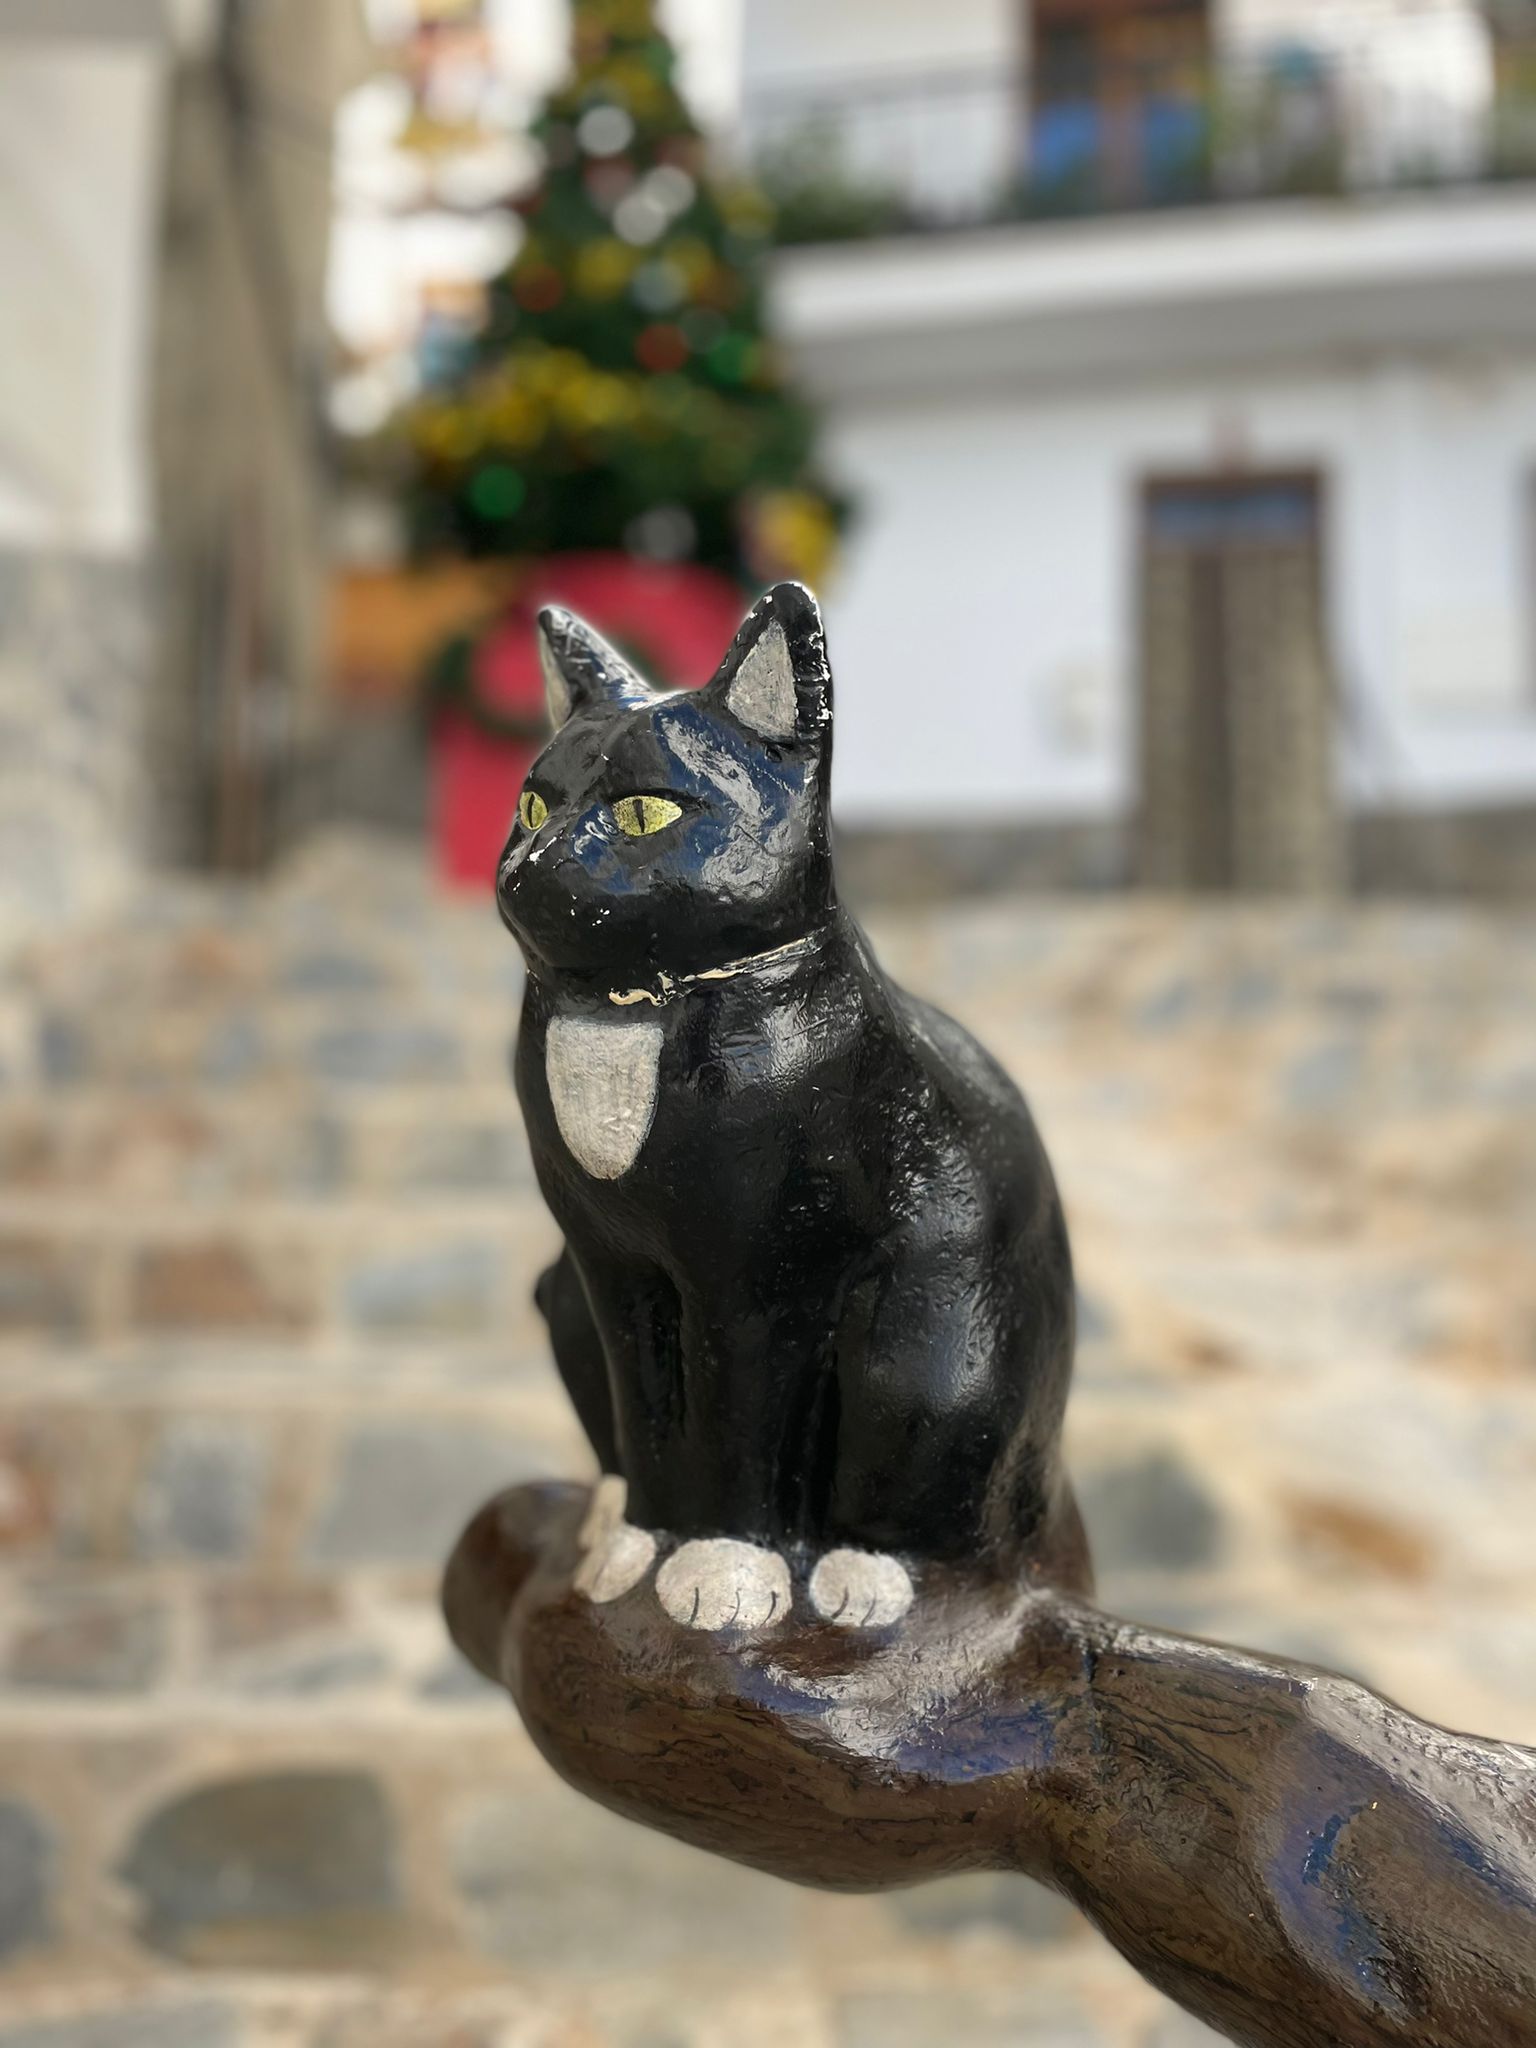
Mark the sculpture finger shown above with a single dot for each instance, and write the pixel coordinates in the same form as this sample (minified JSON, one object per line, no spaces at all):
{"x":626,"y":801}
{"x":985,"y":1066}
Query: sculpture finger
{"x":497,"y":1555}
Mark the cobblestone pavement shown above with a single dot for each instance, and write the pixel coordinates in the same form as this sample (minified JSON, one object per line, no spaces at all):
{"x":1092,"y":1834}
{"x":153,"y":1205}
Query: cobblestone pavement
{"x":267,"y":1231}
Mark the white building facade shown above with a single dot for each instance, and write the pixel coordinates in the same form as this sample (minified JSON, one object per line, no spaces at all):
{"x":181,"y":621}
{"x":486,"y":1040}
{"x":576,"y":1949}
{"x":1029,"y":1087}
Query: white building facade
{"x":81,"y":113}
{"x":153,"y":475}
{"x":1077,"y":416}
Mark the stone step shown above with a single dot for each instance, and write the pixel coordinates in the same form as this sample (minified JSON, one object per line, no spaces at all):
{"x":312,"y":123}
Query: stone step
{"x":253,"y":989}
{"x":1428,"y":1053}
{"x":241,"y":1459}
{"x":105,"y":1145}
{"x":350,"y":1628}
{"x":157,"y":1045}
{"x":428,"y":1884}
{"x":283,"y":1836}
{"x":320,"y":1467}
{"x":1070,"y":2011}
{"x":267,"y":1237}
{"x":289,"y":1274}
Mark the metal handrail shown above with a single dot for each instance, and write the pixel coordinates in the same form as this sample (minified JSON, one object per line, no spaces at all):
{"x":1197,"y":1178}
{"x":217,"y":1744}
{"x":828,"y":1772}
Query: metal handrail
{"x":898,"y":151}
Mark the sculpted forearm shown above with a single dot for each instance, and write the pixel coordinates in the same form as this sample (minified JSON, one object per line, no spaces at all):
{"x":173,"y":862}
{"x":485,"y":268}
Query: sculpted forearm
{"x":1291,"y":1858}
{"x":1297,"y":1861}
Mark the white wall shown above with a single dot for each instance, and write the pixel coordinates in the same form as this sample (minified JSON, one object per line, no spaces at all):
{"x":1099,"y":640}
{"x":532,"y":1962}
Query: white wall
{"x":982,"y":629}
{"x":923,"y":97}
{"x":793,"y":42}
{"x":79,"y":200}
{"x":1344,"y":21}
{"x":804,"y":41}
{"x":79,"y":170}
{"x":533,"y":43}
{"x":1416,"y":76}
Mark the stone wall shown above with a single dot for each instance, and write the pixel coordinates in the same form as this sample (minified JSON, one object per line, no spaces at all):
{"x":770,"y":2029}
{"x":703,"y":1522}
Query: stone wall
{"x":74,"y":653}
{"x":1487,"y":854}
{"x":267,"y":1231}
{"x":370,"y":769}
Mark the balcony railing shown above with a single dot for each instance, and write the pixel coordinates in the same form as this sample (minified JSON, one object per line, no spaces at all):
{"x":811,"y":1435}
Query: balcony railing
{"x":897,"y":155}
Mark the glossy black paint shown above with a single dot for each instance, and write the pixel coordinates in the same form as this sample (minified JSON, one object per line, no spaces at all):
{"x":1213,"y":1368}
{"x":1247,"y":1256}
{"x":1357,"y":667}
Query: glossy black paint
{"x":831,"y":1300}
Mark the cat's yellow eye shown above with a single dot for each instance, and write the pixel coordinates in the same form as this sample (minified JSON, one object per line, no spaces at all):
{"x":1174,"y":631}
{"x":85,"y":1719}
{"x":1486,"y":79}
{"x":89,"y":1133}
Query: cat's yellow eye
{"x":532,"y":809}
{"x":639,"y":815}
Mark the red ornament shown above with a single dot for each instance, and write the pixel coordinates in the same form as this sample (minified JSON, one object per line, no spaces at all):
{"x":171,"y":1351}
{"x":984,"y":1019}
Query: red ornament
{"x":661,"y":348}
{"x":608,"y":181}
{"x":539,"y":290}
{"x":686,"y":151}
{"x":674,"y":616}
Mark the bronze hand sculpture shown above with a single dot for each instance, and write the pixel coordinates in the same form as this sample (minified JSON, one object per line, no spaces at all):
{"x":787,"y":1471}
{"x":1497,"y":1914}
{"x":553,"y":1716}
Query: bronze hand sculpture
{"x":826,"y":1613}
{"x":1291,"y":1858}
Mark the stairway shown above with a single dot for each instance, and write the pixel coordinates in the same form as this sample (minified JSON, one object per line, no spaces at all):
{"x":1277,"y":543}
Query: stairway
{"x":267,"y":1238}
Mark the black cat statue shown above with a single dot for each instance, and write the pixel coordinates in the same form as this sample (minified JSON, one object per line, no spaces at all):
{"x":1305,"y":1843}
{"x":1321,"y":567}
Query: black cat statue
{"x":815,"y":1306}
{"x":825,"y":1611}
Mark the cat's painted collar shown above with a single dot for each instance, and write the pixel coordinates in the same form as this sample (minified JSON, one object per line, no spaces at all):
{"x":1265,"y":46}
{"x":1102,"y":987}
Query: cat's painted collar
{"x":668,"y":986}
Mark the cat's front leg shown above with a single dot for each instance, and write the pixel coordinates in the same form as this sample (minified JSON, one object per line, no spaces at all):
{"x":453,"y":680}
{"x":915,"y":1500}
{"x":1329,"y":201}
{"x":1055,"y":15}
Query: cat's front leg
{"x":579,"y":1355}
{"x":923,"y":1411}
{"x":674,"y":1479}
{"x":701,"y":1433}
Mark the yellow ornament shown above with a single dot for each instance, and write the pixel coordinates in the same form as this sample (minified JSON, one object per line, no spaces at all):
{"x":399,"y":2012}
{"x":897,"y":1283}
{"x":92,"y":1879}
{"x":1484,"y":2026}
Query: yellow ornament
{"x":633,"y":82}
{"x":693,"y":257}
{"x":794,"y":534}
{"x":748,"y":210}
{"x":604,"y":268}
{"x":516,"y":418}
{"x":588,"y":401}
{"x":548,"y":372}
{"x":597,"y":401}
{"x":450,"y":433}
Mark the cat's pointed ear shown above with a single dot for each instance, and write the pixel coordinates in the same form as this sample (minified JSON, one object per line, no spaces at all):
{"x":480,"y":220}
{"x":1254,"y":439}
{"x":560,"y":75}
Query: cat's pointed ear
{"x":775,"y":680}
{"x":580,"y":668}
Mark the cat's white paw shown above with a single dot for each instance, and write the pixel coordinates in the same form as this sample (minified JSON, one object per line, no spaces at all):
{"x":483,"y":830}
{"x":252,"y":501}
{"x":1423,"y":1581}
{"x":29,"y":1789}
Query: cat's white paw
{"x":715,"y":1582}
{"x":860,"y":1589}
{"x":618,"y":1560}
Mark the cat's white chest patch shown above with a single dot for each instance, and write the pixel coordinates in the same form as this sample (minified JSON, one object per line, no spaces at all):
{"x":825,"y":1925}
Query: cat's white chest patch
{"x":602,"y":1085}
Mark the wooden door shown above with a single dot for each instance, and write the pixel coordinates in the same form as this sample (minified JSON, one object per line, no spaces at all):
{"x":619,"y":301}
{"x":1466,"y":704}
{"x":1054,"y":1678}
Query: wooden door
{"x":1237,"y":708}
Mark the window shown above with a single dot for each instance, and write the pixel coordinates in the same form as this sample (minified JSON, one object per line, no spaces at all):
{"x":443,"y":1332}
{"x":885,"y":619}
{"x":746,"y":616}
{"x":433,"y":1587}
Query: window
{"x":1119,"y":101}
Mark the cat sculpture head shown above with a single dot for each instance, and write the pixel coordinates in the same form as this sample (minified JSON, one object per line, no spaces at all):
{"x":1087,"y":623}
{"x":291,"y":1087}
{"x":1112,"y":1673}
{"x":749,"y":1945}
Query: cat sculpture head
{"x":662,"y":835}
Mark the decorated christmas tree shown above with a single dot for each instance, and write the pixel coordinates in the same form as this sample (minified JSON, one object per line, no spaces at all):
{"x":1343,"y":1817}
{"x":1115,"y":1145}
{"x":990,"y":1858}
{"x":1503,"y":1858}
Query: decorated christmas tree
{"x":623,"y":393}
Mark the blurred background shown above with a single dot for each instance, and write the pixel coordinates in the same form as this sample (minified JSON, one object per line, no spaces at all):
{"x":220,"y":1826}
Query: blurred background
{"x":1149,"y":389}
